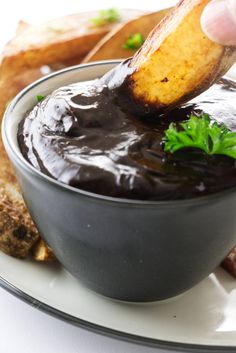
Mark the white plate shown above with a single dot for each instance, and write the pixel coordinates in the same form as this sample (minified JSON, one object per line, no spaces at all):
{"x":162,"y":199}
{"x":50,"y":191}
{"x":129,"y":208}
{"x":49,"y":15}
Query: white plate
{"x":201,"y":320}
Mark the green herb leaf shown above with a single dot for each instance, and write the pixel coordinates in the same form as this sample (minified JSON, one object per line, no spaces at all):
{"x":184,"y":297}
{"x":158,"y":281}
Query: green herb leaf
{"x":105,"y":17}
{"x":202,"y":133}
{"x":40,"y":98}
{"x":134,"y":42}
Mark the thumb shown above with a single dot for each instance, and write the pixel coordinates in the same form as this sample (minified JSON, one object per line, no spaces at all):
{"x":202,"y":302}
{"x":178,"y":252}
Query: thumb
{"x":219,"y":21}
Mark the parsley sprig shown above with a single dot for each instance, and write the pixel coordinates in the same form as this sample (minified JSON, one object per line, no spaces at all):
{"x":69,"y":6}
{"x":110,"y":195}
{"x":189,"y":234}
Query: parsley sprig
{"x":134,"y":42}
{"x":105,"y":17}
{"x":202,"y":133}
{"x":40,"y":98}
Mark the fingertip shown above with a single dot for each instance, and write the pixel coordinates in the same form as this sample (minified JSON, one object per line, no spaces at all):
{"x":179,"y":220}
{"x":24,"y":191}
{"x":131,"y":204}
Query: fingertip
{"x":218,"y":22}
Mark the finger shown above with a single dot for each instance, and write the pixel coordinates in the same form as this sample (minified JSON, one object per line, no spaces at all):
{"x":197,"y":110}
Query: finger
{"x":219,"y":21}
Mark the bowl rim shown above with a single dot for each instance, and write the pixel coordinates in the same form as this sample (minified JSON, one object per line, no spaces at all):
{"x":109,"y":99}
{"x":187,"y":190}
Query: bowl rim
{"x":9,"y":143}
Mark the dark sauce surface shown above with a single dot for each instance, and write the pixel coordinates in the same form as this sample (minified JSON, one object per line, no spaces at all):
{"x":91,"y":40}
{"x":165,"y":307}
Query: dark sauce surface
{"x":80,"y":136}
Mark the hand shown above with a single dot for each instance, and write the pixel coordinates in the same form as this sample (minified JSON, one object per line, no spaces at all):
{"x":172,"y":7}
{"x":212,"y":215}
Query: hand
{"x":219,"y":21}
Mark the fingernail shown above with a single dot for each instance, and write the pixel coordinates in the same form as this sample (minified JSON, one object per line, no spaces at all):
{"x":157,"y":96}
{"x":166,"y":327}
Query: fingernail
{"x":218,"y":22}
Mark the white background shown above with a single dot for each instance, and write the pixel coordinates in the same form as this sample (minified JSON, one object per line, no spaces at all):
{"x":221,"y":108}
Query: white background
{"x":24,"y":329}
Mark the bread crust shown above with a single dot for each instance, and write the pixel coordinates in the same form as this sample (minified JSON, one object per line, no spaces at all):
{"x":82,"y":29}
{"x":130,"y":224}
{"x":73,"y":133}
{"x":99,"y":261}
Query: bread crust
{"x":177,"y":62}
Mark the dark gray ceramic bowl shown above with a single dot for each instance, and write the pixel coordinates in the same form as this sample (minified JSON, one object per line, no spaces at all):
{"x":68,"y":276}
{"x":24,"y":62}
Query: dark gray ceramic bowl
{"x":129,"y":250}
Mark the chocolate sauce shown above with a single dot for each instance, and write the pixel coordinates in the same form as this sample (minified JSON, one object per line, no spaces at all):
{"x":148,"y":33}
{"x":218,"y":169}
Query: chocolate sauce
{"x":81,"y":136}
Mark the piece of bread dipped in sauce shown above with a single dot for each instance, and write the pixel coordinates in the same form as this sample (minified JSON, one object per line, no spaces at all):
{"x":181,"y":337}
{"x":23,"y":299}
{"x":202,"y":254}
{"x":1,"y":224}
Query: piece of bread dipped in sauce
{"x":176,"y":63}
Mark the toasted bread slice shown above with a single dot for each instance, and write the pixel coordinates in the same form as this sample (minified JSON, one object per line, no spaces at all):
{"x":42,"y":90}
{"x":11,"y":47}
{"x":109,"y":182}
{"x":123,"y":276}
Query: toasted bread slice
{"x":41,"y":252}
{"x":17,"y":231}
{"x":18,"y":234}
{"x":111,"y":46}
{"x":229,"y":264}
{"x":58,"y":40}
{"x":177,"y":61}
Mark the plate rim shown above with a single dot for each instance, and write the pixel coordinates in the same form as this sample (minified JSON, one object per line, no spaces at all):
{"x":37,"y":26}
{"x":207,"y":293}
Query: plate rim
{"x":109,"y":332}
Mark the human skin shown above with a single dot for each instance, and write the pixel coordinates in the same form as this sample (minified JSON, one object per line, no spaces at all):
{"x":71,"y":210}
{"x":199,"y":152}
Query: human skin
{"x":219,"y":21}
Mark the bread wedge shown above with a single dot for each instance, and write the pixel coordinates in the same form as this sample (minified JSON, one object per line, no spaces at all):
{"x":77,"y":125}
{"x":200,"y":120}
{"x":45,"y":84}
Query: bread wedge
{"x":58,"y":40}
{"x":17,"y":231}
{"x":229,"y":263}
{"x":41,"y":252}
{"x":111,"y":46}
{"x":176,"y":63}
